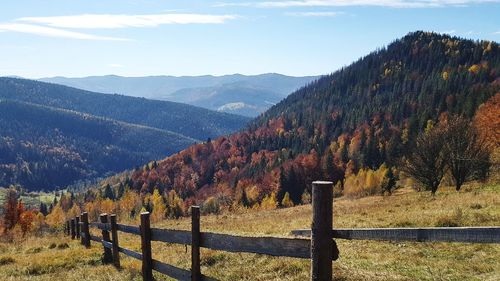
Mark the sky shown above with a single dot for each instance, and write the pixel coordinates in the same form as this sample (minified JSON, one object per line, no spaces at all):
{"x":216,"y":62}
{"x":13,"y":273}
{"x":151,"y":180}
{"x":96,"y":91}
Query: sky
{"x":80,"y":38}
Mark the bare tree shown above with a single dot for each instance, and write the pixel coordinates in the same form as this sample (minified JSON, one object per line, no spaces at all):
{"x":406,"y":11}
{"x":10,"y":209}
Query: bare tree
{"x":467,"y":155}
{"x":427,"y":162}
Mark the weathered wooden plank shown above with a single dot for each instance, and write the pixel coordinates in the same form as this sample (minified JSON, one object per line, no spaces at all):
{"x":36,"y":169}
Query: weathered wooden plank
{"x":106,"y":244}
{"x":172,"y":271}
{"x":424,"y":234}
{"x":287,"y":247}
{"x":128,"y":229}
{"x":130,"y":253}
{"x":95,"y":238}
{"x":100,"y":225}
{"x":171,"y":236}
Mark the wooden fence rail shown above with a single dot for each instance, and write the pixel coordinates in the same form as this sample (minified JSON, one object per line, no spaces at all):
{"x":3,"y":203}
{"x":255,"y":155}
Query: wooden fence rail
{"x":320,"y":247}
{"x":489,"y":234}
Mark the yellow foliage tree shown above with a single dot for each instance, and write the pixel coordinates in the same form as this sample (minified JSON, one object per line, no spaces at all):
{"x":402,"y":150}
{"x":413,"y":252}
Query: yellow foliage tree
{"x":38,"y":222}
{"x":306,"y":197}
{"x":92,"y":208}
{"x":56,"y":218}
{"x":175,"y":205}
{"x":474,"y":69}
{"x":159,"y":208}
{"x":445,"y":75}
{"x":130,"y":204}
{"x":107,"y":206}
{"x":269,"y":202}
{"x":286,"y":202}
{"x":74,"y":211}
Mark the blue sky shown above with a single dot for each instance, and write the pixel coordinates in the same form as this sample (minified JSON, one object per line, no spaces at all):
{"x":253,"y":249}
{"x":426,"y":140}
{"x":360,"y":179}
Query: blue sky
{"x":159,"y":37}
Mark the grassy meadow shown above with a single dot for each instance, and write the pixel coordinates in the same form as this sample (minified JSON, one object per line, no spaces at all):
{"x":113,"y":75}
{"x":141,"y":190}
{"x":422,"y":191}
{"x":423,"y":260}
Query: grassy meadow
{"x":55,"y":257}
{"x":31,"y":200}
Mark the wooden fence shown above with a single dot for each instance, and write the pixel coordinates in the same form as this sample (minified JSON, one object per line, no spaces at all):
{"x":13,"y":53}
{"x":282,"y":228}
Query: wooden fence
{"x":320,"y":247}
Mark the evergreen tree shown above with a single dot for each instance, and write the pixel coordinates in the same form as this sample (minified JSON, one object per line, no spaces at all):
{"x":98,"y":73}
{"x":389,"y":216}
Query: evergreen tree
{"x":108,"y":193}
{"x":389,"y":181}
{"x":43,"y":209}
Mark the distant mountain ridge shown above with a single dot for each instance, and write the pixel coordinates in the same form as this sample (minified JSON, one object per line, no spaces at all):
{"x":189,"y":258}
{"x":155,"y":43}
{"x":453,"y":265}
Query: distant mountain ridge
{"x":211,"y":92}
{"x":190,"y":121}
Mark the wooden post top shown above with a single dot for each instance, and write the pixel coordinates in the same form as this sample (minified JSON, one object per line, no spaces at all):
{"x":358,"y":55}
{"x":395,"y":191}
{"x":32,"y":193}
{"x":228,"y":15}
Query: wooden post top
{"x":322,"y":183}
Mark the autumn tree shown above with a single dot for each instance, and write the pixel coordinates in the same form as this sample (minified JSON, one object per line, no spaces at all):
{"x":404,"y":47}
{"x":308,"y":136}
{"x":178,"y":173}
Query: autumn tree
{"x":467,"y":155}
{"x":159,"y":208}
{"x":269,"y":202}
{"x":286,"y":202}
{"x":427,"y":162}
{"x":306,"y":197}
{"x":56,"y":217}
{"x":175,"y":205}
{"x":26,"y":221}
{"x":130,"y":204}
{"x":11,"y":211}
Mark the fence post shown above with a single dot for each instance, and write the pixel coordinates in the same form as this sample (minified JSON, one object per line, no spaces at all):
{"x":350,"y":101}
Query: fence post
{"x":195,"y":244}
{"x":85,"y":229}
{"x":77,"y":226}
{"x":73,"y":231}
{"x":105,"y":237}
{"x":82,"y":239}
{"x":321,"y":231}
{"x":67,"y":228}
{"x":147,"y":260}
{"x":114,"y":238}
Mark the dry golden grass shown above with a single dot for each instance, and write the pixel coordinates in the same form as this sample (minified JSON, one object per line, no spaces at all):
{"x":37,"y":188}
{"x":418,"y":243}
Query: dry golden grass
{"x":34,"y":259}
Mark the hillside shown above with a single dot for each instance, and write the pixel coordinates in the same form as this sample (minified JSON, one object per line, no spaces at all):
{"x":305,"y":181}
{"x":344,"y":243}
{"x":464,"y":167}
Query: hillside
{"x":45,"y":148}
{"x":254,"y":94}
{"x":190,"y":121}
{"x":35,"y":259}
{"x":343,"y":125}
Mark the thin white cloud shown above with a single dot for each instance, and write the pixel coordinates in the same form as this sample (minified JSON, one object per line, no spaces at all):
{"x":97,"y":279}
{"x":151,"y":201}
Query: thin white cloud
{"x":498,"y":32}
{"x":52,"y":32}
{"x":345,"y":3}
{"x":115,"y":65}
{"x":314,"y":14}
{"x":450,"y":32}
{"x":90,"y":21}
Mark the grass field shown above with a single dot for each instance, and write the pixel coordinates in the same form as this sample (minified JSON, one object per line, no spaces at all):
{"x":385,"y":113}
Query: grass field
{"x":36,"y":259}
{"x":31,"y":199}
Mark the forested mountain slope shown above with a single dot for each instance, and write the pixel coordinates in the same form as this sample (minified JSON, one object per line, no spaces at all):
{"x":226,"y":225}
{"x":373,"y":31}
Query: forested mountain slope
{"x":44,"y":148}
{"x":190,"y":121}
{"x":357,"y":118}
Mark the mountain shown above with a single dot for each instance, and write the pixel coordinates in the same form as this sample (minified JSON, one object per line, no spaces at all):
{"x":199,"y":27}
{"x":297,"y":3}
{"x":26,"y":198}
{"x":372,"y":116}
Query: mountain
{"x":341,"y":126}
{"x":229,"y":98}
{"x":43,"y":148}
{"x":190,"y":121}
{"x":238,"y":94}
